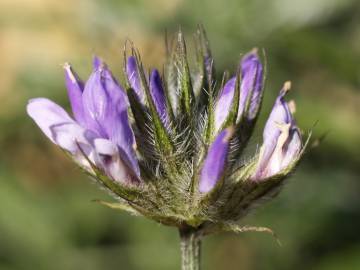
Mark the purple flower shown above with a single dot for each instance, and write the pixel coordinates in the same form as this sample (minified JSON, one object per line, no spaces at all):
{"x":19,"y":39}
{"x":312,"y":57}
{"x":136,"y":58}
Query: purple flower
{"x":100,"y":132}
{"x":215,"y":161}
{"x":189,"y":169}
{"x":250,"y":89}
{"x":281,"y":139}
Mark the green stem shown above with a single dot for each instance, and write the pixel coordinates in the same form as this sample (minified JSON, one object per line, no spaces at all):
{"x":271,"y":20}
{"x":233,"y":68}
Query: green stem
{"x":190,"y":249}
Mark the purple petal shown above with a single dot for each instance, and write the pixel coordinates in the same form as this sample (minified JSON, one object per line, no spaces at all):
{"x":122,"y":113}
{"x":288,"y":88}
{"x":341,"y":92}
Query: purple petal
{"x":69,"y":135}
{"x":287,"y":149}
{"x":133,"y":75}
{"x":251,"y":84}
{"x":47,"y":114}
{"x":61,"y":129}
{"x":293,"y":147}
{"x":223,"y":105}
{"x":280,"y":115}
{"x":158,"y":95}
{"x":96,"y":103}
{"x":105,"y":107}
{"x":215,"y":161}
{"x":112,"y":162}
{"x":117,"y":125}
{"x":75,"y":89}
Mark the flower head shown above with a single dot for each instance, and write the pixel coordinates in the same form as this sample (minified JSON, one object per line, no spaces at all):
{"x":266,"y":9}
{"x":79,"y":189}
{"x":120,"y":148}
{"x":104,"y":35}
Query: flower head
{"x":170,"y":146}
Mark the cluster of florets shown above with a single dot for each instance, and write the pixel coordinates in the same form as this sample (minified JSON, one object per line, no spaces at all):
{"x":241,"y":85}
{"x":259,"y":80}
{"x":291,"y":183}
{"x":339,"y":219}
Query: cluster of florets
{"x":170,"y":146}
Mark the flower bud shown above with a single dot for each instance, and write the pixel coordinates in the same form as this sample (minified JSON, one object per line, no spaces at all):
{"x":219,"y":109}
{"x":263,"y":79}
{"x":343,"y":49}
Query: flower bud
{"x":215,"y":161}
{"x":251,"y":85}
{"x":250,"y":92}
{"x":158,"y":96}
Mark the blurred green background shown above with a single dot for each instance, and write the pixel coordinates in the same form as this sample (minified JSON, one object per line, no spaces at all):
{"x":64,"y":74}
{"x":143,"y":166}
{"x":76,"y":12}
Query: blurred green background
{"x":47,"y":219}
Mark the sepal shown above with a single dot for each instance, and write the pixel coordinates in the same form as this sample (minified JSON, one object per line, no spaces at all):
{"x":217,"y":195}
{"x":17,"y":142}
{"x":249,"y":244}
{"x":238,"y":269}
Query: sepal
{"x":170,"y":76}
{"x":236,"y":228}
{"x":122,"y":206}
{"x":204,"y":79}
{"x":162,"y":137}
{"x":252,"y":86}
{"x":210,"y":124}
{"x":184,"y":84}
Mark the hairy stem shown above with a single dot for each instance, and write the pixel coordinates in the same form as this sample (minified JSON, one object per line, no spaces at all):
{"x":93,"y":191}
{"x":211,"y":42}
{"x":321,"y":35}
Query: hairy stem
{"x":190,"y":249}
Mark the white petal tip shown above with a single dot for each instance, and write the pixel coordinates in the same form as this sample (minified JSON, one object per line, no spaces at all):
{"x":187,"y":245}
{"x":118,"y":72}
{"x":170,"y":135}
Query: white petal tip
{"x":287,"y":86}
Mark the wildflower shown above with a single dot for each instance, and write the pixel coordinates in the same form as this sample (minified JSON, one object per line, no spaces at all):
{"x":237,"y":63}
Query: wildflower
{"x":100,"y":131}
{"x":170,"y":146}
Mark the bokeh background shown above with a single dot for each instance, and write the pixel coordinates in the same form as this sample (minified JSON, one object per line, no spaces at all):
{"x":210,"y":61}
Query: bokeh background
{"x":47,"y":219}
